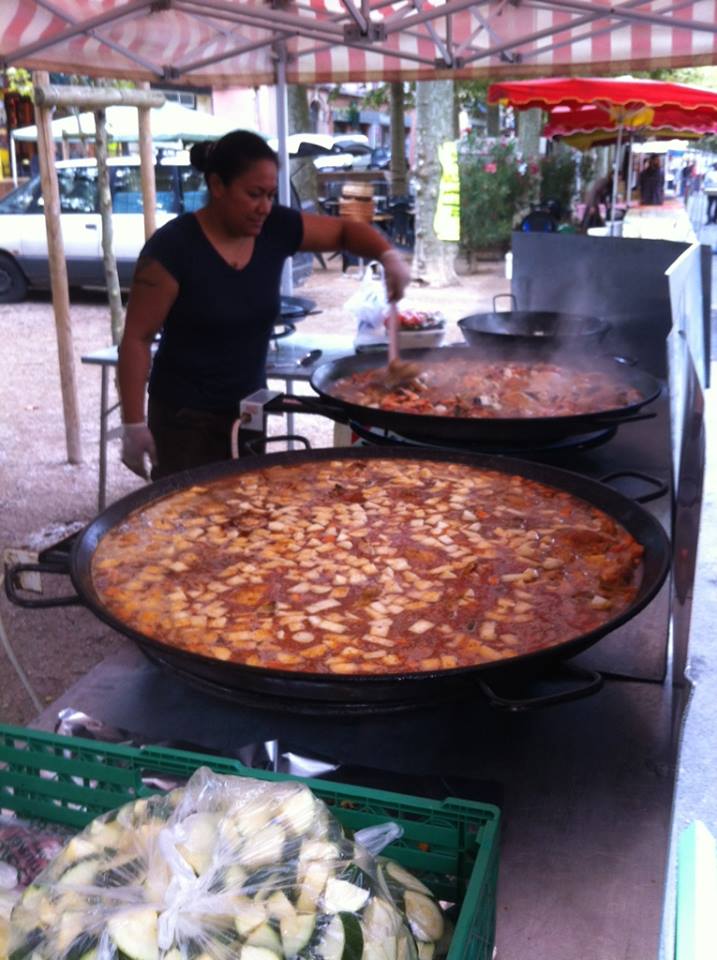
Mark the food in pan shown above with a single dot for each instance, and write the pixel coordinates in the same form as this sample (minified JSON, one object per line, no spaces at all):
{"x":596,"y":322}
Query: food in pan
{"x":366,"y":566}
{"x":487,"y":389}
{"x":227,"y":867}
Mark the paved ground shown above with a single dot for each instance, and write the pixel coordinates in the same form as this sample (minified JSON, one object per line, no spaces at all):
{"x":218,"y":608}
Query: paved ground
{"x":39,"y":489}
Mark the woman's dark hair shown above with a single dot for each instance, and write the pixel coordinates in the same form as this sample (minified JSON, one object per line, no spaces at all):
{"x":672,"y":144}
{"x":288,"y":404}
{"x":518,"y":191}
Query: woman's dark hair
{"x":231,"y":156}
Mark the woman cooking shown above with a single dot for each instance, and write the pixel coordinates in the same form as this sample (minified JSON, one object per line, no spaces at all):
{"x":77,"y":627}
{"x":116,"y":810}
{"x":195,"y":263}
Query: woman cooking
{"x":210,"y":281}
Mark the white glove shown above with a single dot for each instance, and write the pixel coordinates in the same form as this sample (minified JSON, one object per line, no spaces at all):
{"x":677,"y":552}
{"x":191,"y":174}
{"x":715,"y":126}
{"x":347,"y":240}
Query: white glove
{"x":137,"y":445}
{"x":396,"y":274}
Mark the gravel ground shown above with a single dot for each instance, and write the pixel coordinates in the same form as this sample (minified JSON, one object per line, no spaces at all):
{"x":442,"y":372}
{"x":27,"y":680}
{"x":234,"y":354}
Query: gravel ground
{"x":40,"y":493}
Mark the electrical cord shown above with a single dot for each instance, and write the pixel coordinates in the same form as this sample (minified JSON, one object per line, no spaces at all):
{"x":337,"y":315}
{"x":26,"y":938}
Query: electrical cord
{"x":5,"y":643}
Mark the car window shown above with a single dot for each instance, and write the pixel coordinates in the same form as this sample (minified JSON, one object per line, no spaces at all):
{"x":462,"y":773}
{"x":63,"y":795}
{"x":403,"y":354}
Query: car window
{"x":23,"y":199}
{"x":127,"y":190}
{"x":194,"y":189}
{"x":78,"y":189}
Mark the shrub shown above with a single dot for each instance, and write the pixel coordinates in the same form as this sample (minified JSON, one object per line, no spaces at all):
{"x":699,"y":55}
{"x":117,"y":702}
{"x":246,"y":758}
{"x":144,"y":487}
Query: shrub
{"x":496,"y":187}
{"x":557,"y":180}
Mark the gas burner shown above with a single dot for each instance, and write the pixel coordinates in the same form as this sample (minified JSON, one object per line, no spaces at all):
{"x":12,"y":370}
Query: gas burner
{"x":586,"y":441}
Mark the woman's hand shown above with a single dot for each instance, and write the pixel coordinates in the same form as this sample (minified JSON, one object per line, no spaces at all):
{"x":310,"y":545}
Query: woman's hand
{"x":137,"y":447}
{"x":396,"y":274}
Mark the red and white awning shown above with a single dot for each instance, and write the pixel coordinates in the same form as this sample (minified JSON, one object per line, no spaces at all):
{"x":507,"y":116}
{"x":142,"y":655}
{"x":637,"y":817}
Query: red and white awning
{"x":236,"y":42}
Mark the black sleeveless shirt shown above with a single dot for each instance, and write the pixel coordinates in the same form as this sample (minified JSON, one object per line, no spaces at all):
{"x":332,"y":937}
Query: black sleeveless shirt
{"x":214,"y":342}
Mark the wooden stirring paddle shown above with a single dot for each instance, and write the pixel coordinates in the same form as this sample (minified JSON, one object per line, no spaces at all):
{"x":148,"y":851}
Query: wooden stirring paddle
{"x":398,"y":371}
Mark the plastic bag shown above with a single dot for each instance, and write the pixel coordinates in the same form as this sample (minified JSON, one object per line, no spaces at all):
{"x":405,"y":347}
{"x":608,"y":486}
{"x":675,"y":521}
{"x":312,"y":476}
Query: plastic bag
{"x":369,"y":306}
{"x":225,"y":867}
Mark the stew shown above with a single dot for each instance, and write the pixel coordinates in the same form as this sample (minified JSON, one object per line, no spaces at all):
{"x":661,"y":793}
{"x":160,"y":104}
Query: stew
{"x":491,"y":389}
{"x":374,"y":566}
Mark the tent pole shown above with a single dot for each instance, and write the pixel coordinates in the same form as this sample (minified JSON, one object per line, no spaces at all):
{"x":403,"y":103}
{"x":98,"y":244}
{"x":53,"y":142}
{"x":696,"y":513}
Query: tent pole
{"x":13,"y":158}
{"x":58,"y":279}
{"x":146,"y":168}
{"x":615,"y":177}
{"x":282,"y":125}
{"x":628,"y":185}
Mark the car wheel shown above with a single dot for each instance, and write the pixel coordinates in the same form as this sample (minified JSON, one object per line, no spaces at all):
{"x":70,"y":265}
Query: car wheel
{"x":13,"y":285}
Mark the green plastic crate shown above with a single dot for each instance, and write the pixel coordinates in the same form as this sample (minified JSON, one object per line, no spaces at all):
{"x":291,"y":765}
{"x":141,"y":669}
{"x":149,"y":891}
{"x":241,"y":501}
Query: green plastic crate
{"x":451,"y":844}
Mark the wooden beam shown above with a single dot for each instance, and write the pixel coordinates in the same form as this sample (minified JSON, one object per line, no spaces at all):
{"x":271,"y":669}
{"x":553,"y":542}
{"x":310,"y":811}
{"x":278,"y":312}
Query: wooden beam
{"x":94,"y":98}
{"x":58,"y":279}
{"x":146,"y":170}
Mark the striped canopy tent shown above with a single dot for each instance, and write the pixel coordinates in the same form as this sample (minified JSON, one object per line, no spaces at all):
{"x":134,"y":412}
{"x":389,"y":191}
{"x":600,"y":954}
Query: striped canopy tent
{"x":234,"y":42}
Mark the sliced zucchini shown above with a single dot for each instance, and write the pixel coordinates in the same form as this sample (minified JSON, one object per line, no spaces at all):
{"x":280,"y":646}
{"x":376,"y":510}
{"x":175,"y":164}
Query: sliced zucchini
{"x":311,"y":850}
{"x":328,"y":940}
{"x":83,"y":947}
{"x":279,"y":906}
{"x":316,"y":876}
{"x":200,"y":832}
{"x":380,"y":919}
{"x":425,"y":950}
{"x":248,"y":915}
{"x":263,"y":847}
{"x":265,"y":936}
{"x":69,"y":928}
{"x":252,"y":816}
{"x":380,"y":950}
{"x":121,"y":874}
{"x":81,"y":873}
{"x":27,"y":942}
{"x":404,"y":878}
{"x":251,"y":952}
{"x":134,"y":933}
{"x":296,"y":932}
{"x":353,"y":937}
{"x":424,"y":916}
{"x":298,"y":811}
{"x":80,"y":848}
{"x":340,"y":896}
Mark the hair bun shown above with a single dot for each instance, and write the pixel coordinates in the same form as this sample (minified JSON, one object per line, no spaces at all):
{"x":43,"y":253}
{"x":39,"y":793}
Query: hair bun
{"x":199,"y":155}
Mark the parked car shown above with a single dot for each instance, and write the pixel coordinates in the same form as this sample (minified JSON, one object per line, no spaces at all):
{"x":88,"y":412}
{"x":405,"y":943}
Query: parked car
{"x":24,"y":261}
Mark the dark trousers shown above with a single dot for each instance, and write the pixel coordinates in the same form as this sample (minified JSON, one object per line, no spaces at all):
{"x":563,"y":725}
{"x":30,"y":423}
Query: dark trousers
{"x":712,"y":208}
{"x":187,"y":438}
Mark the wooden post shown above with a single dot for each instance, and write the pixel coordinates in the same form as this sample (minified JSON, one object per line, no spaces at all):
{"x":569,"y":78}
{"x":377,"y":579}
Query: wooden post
{"x":109,"y":260}
{"x":58,"y":279}
{"x":146,"y":168}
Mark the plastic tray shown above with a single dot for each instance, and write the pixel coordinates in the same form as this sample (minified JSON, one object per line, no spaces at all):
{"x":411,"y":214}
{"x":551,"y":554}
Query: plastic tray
{"x":451,"y":844}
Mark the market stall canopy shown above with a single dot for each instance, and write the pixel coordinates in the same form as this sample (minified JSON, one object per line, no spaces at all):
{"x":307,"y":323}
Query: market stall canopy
{"x":235,"y":42}
{"x":624,"y":96}
{"x":170,"y":122}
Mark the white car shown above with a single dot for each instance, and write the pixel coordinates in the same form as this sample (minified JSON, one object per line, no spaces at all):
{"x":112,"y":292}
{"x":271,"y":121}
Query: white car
{"x":23,"y":238}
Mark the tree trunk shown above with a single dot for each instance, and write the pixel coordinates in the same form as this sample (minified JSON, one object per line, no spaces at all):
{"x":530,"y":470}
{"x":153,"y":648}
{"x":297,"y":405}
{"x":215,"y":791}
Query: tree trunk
{"x":303,"y":171}
{"x":433,"y":259}
{"x":530,"y":125}
{"x":109,"y":260}
{"x":399,"y":170}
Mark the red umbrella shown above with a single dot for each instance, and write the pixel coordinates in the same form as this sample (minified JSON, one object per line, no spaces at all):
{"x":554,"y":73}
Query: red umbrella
{"x":587,"y":104}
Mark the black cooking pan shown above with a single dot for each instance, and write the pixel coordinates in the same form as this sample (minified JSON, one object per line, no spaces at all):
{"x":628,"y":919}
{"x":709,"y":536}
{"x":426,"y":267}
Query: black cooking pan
{"x":503,"y":431}
{"x":269,"y":687}
{"x":542,"y":331}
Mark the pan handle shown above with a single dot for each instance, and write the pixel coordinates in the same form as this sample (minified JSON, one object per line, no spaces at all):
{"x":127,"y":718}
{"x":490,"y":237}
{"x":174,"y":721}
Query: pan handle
{"x":510,"y":296}
{"x":293,"y":403}
{"x":12,"y":574}
{"x":660,"y":486}
{"x":618,"y":420}
{"x":252,"y":445}
{"x":590,"y":682}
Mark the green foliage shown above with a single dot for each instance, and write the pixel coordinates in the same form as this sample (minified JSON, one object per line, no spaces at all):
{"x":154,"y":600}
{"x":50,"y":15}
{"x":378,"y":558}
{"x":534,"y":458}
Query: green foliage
{"x":19,"y":81}
{"x":495,"y":192}
{"x":557,"y":179}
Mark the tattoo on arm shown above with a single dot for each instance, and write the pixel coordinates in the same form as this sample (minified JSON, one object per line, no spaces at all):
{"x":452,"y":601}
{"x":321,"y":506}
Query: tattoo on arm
{"x":143,"y":274}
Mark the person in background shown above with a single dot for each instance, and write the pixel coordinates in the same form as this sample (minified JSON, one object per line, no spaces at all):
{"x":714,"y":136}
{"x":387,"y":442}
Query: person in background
{"x":599,"y":195}
{"x":709,"y":185}
{"x":210,"y":282}
{"x":651,"y":182}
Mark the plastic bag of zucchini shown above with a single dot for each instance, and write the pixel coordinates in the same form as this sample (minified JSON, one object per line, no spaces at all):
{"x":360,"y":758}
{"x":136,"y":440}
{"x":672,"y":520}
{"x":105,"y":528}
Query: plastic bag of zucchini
{"x":224,"y":867}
